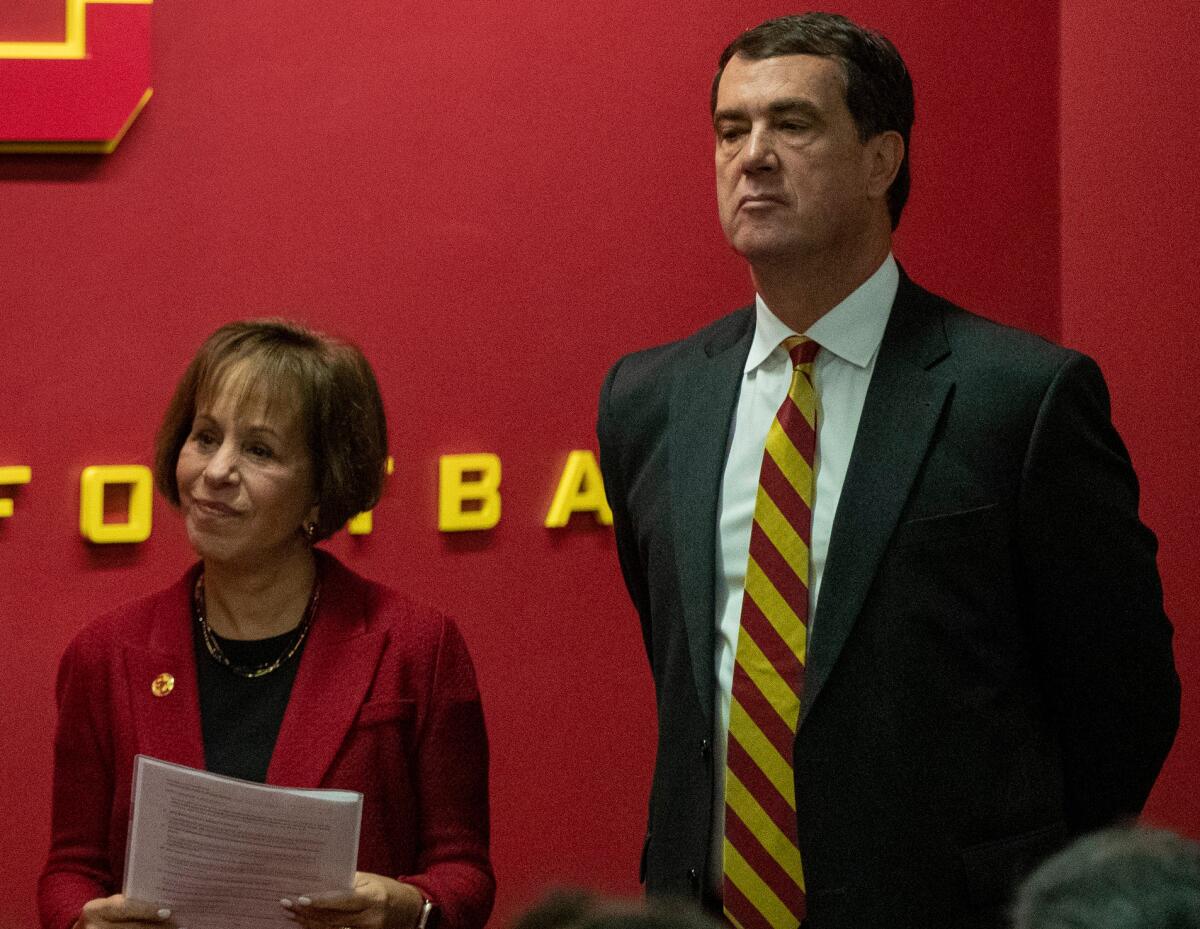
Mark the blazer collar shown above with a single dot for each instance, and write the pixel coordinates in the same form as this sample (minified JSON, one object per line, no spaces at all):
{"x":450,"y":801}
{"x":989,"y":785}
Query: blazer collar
{"x":335,"y":673}
{"x":168,"y":724}
{"x":903,"y":405}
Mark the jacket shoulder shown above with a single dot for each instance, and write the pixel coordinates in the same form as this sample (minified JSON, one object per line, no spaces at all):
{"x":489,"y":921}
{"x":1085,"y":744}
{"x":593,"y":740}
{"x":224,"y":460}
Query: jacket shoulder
{"x":981,"y":343}
{"x":660,"y":361}
{"x":641,"y":380}
{"x":992,"y":361}
{"x":381,"y":608}
{"x":132,"y":622}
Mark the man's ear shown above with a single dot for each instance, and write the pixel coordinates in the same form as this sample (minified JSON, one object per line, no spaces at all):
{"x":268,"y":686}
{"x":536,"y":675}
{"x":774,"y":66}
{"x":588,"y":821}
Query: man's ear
{"x":885,"y":154}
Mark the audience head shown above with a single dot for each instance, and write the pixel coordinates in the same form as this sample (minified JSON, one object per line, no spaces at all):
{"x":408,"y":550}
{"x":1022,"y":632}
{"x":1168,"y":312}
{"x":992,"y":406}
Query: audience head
{"x":1122,"y":878}
{"x":576,"y":909}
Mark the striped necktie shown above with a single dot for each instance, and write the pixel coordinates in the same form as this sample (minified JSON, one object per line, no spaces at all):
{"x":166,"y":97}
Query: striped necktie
{"x":764,"y":883}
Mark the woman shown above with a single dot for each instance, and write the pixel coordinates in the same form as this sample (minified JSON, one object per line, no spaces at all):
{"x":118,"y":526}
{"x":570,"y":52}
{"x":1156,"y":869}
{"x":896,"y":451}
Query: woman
{"x":269,"y":660}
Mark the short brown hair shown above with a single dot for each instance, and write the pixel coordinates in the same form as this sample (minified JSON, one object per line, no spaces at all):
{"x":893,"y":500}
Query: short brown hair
{"x":879,"y":90}
{"x":341,"y":411}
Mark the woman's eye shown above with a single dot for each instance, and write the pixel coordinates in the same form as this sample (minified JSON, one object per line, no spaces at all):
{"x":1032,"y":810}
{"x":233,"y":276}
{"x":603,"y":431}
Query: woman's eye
{"x":203,"y":437}
{"x":260,"y":451}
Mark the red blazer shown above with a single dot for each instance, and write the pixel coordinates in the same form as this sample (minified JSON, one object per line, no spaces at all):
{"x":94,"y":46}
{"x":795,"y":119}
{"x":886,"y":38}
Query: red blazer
{"x":385,"y":703}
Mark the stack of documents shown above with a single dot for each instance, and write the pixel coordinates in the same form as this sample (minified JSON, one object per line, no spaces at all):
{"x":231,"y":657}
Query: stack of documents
{"x":221,"y":853}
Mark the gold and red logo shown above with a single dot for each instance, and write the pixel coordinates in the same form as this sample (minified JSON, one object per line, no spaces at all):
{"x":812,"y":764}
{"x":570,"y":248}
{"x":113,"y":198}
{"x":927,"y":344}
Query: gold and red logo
{"x":83,"y":93}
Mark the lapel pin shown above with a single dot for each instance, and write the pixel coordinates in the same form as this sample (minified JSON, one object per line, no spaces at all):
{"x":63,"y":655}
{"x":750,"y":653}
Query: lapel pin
{"x":162,"y":685}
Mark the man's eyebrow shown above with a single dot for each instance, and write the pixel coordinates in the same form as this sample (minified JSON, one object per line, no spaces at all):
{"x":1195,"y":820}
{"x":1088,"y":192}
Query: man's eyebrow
{"x":728,"y":113}
{"x":794,"y":105}
{"x":778,"y":107}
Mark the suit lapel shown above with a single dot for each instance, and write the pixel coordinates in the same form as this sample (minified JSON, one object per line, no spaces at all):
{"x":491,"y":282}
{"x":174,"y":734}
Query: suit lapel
{"x":903,"y":405}
{"x":168,"y":726}
{"x":335,"y":673}
{"x":702,"y":406}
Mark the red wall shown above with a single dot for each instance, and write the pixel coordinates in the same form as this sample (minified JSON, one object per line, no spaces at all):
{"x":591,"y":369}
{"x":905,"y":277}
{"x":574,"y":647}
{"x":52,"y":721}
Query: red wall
{"x":1131,"y":276}
{"x":31,"y":21}
{"x":495,"y":200}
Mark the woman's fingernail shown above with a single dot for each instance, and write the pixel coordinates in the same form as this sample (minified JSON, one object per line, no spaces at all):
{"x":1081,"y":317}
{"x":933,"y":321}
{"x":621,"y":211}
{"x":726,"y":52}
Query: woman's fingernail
{"x":304,"y":901}
{"x":164,"y":914}
{"x":285,"y":902}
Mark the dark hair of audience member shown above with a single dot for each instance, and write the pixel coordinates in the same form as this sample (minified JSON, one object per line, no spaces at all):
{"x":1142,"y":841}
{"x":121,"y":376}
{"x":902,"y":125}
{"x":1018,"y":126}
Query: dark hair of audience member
{"x":578,"y":909}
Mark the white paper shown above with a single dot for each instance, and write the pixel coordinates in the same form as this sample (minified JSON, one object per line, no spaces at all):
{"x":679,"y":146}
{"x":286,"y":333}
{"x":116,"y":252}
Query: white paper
{"x":220,"y":852}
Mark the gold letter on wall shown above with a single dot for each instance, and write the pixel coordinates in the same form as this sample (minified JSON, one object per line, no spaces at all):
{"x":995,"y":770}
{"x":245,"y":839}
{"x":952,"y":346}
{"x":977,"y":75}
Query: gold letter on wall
{"x":468,"y":479}
{"x":580,"y":490}
{"x":91,"y":503}
{"x":10,"y":475}
{"x":364,"y":523}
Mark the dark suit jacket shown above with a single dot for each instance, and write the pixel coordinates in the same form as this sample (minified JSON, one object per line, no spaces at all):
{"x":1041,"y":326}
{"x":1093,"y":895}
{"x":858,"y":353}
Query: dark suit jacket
{"x":991,"y":668}
{"x":384,"y":702}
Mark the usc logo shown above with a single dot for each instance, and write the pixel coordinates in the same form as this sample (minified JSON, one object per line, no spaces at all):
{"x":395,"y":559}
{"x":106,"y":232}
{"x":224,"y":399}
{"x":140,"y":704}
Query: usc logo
{"x":82,"y":94}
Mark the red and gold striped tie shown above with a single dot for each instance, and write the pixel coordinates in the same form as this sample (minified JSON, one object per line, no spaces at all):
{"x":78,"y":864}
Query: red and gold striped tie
{"x":764,"y":883}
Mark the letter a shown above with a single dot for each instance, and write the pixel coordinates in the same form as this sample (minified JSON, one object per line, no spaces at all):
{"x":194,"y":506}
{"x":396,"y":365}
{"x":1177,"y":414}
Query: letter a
{"x":580,"y":490}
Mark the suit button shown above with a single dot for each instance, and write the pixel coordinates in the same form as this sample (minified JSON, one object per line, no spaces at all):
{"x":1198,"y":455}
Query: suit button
{"x":705,"y":748}
{"x":694,"y":879}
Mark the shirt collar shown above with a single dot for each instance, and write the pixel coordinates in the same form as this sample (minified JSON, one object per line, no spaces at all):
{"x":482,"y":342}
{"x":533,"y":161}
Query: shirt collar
{"x":852,"y":330}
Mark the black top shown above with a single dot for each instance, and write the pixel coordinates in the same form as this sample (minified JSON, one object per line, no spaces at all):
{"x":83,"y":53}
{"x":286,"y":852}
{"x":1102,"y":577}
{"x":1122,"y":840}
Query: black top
{"x":240,"y":717}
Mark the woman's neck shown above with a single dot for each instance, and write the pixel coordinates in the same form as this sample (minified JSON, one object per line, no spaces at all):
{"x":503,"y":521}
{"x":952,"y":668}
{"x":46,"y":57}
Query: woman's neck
{"x":259,"y":601}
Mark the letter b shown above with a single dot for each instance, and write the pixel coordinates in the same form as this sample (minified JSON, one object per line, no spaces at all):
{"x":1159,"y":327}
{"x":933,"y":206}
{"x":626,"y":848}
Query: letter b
{"x":468,"y":479}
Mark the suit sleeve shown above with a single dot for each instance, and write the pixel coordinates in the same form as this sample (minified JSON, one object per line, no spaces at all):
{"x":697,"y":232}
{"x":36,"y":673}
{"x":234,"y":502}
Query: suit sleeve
{"x":608,"y":432}
{"x":452,"y":776}
{"x":1102,"y":641}
{"x":77,"y":868}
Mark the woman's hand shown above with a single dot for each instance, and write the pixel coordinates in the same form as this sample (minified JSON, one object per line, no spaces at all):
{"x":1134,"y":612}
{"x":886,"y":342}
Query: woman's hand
{"x":115,"y":911}
{"x":376,"y":902}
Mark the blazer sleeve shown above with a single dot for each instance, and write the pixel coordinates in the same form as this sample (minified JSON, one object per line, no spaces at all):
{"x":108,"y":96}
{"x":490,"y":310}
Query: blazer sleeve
{"x":1101,"y":639}
{"x":608,"y":435}
{"x":454,"y":868}
{"x":77,"y":869}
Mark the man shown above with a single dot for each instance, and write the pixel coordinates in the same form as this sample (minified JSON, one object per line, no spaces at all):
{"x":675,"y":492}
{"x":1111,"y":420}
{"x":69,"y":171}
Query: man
{"x":946,"y":651}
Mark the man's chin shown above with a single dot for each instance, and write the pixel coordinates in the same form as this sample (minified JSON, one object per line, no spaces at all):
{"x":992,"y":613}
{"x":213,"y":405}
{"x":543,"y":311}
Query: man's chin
{"x":765,"y":249}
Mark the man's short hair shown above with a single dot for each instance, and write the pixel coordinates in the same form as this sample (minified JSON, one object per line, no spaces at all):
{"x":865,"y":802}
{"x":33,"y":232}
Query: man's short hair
{"x":879,"y":92}
{"x":333,"y":388}
{"x":1122,"y":878}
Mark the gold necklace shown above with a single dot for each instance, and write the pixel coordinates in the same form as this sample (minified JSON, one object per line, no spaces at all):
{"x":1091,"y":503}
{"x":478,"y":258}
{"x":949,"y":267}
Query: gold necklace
{"x":214,"y":647}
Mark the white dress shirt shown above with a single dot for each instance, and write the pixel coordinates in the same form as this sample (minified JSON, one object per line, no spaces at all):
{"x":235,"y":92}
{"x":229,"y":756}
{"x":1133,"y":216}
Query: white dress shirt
{"x":849,"y":336}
